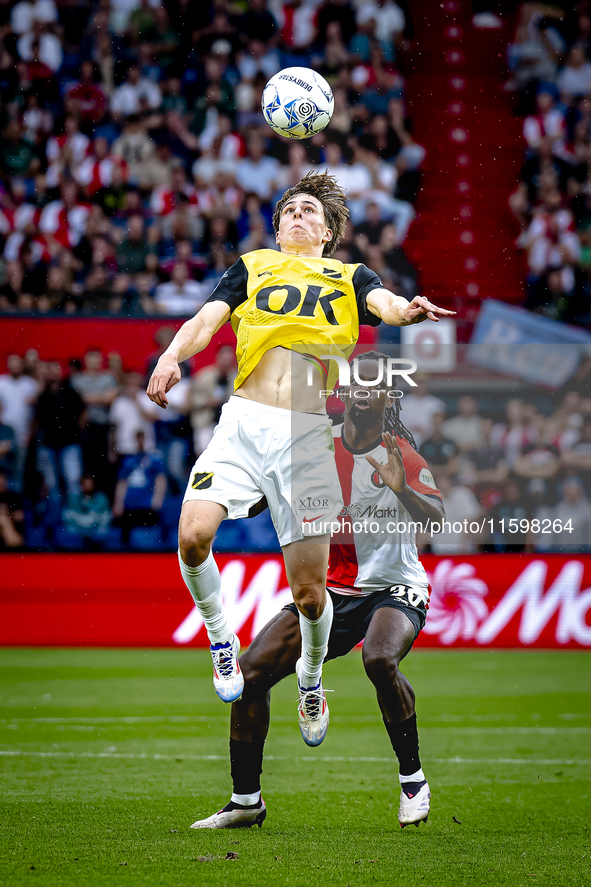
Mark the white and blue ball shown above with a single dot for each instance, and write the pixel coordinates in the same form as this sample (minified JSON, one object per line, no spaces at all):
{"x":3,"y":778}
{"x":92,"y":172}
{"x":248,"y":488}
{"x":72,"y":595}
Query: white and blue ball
{"x":297,"y":103}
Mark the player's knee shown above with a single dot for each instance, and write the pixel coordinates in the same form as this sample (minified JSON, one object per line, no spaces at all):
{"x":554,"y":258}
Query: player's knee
{"x":194,"y":544}
{"x":309,"y":599}
{"x":380,"y":666}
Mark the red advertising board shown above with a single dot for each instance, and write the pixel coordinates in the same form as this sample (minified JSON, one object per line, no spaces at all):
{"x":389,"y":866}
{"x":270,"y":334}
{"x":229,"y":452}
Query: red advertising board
{"x":59,"y":338}
{"x":139,"y":600}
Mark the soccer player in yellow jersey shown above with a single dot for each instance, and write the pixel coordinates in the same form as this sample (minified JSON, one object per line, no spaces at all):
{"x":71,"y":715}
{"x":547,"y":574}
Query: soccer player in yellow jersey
{"x":278,"y":303}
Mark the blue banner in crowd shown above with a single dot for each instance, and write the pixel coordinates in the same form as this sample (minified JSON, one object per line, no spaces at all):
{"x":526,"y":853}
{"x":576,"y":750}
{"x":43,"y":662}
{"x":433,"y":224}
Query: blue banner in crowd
{"x":537,"y":349}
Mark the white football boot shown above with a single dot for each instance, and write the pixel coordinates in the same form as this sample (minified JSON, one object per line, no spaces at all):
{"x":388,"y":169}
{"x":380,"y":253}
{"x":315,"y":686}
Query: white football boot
{"x":235,"y":816}
{"x":415,"y":803}
{"x":228,"y":679}
{"x":312,"y":711}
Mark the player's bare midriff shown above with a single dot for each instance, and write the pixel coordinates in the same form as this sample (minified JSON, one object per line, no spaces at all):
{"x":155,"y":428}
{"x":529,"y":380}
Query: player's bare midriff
{"x":281,"y":379}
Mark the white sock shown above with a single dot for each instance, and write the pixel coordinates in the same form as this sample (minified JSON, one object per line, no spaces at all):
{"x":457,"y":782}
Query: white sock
{"x":246,"y":800}
{"x":315,"y":634}
{"x":204,"y":584}
{"x":419,"y":776}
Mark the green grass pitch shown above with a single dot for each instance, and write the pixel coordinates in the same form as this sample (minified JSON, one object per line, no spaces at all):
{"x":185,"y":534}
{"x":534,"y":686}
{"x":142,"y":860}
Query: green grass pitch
{"x":107,"y":756}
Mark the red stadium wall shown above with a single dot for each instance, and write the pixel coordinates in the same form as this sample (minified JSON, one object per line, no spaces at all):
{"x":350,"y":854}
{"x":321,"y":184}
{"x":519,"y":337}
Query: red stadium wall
{"x":63,"y":338}
{"x":133,"y":600}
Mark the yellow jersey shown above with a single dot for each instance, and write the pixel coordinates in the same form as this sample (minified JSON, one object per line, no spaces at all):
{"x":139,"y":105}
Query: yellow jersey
{"x":294,"y":302}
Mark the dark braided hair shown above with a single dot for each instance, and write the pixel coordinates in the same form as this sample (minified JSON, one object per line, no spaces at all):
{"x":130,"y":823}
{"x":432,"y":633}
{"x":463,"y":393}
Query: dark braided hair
{"x":392,"y":421}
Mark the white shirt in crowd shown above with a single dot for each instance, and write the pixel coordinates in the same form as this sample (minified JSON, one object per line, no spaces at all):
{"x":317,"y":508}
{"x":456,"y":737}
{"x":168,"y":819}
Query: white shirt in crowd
{"x":389,"y":19}
{"x":17,"y":397}
{"x":50,"y":49}
{"x":575,"y":81}
{"x":127,"y":98}
{"x":25,"y":14}
{"x":460,"y":505}
{"x":128,"y":419}
{"x":418,"y":415}
{"x":183,"y":300}
{"x":121,"y":11}
{"x":259,"y":177}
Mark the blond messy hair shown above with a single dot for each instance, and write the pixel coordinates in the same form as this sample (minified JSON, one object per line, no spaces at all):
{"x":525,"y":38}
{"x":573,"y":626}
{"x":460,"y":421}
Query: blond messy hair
{"x":329,"y":193}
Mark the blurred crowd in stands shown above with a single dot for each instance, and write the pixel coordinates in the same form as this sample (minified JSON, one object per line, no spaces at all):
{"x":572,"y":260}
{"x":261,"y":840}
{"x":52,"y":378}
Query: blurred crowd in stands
{"x":87,"y":462}
{"x":550,"y":67}
{"x":135,"y":164}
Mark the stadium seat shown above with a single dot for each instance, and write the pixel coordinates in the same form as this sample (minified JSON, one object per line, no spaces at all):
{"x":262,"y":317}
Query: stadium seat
{"x":230,"y":536}
{"x":171,"y":511}
{"x":260,"y":533}
{"x":68,"y":539}
{"x":171,"y":538}
{"x":146,"y":538}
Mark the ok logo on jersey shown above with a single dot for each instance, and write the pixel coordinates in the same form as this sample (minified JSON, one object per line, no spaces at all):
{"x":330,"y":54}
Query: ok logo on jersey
{"x":293,"y":299}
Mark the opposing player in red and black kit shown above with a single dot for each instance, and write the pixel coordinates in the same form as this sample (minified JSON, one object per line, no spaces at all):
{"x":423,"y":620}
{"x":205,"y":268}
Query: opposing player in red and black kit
{"x":379,"y":591}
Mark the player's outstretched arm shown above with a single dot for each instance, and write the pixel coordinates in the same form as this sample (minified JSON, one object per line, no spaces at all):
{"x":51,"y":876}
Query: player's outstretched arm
{"x":193,"y":337}
{"x":422,"y":509}
{"x":398,"y":311}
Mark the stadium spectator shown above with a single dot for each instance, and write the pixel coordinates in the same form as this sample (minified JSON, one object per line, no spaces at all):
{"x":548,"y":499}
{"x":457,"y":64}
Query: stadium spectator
{"x":418,"y":409}
{"x":572,"y":514}
{"x":8,"y":449}
{"x":547,"y":123}
{"x":17,"y":155}
{"x":258,"y":172}
{"x":181,"y":295}
{"x":98,"y":389}
{"x":513,"y":435}
{"x":18,"y":394}
{"x":135,"y":95}
{"x":389,"y":19}
{"x":507,"y":536}
{"x":461,"y":506}
{"x":86,"y":518}
{"x":128,"y":416}
{"x":60,"y":417}
{"x":484,"y":468}
{"x":537,"y":460}
{"x":210,"y":389}
{"x":163,"y":337}
{"x":86,"y":99}
{"x":537,"y":48}
{"x":134,"y":146}
{"x":577,"y":458}
{"x":140,"y":491}
{"x":134,"y":254}
{"x":12,"y":535}
{"x":440,"y":451}
{"x":575,"y":78}
{"x":465,"y":429}
{"x":26,"y":12}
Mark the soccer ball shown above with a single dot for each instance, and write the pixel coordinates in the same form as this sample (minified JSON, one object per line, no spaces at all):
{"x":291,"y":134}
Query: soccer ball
{"x":297,"y":103}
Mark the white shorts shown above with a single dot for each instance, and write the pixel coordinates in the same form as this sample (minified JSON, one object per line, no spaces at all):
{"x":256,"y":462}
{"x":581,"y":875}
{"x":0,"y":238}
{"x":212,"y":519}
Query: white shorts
{"x":286,"y":456}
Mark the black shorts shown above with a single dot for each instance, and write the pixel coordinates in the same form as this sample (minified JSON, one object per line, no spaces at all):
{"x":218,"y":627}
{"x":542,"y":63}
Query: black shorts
{"x":353,"y":614}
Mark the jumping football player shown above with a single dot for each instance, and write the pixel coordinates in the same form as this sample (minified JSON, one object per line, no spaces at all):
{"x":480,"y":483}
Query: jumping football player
{"x":274,"y":437}
{"x":379,"y":591}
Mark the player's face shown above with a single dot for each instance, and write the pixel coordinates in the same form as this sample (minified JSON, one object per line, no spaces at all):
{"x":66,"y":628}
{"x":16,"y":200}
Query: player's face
{"x":301,"y":226}
{"x":366,"y":406}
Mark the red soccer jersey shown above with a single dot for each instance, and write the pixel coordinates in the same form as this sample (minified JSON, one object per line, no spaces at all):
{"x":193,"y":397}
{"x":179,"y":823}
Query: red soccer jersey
{"x":375,"y":547}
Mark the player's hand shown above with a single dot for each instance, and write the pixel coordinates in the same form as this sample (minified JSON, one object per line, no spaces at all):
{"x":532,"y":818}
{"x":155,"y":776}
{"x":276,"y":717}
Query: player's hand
{"x":392,"y":472}
{"x":422,"y":309}
{"x":166,"y":374}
